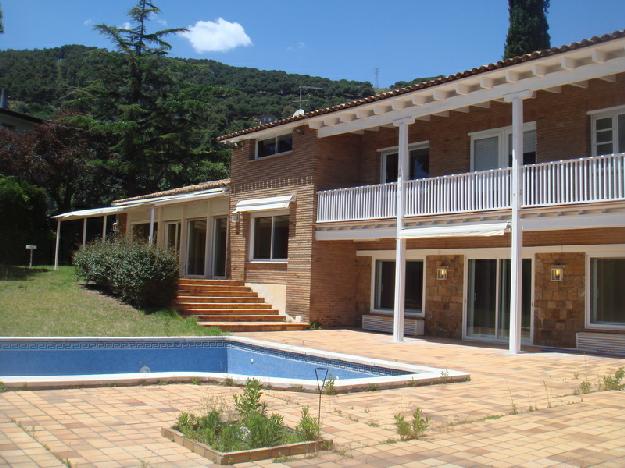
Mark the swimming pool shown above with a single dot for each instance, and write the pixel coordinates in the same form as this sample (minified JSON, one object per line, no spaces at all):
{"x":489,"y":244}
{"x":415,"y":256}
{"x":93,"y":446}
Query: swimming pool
{"x":52,"y":362}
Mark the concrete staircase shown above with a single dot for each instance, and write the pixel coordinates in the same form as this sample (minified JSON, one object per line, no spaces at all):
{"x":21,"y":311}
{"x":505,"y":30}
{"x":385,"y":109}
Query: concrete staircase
{"x":229,"y":305}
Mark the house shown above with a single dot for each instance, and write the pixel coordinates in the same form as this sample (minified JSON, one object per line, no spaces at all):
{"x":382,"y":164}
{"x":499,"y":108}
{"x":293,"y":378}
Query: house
{"x":486,"y":205}
{"x":12,"y":120}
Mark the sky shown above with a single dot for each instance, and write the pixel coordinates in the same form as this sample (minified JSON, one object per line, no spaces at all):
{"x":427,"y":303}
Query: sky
{"x":350,"y":39}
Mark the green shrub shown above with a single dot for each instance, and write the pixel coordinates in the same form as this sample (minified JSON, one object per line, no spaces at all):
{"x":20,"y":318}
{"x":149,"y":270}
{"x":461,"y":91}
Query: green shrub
{"x":253,"y":428}
{"x":308,"y":427}
{"x":614,"y":382}
{"x":413,"y":429}
{"x":140,"y":274}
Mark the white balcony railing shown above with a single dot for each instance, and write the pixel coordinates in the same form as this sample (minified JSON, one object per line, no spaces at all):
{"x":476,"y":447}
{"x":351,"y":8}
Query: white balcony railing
{"x":585,"y":180}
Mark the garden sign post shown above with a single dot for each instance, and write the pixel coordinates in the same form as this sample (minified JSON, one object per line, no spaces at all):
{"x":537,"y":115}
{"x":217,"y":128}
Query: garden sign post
{"x":31,"y":248}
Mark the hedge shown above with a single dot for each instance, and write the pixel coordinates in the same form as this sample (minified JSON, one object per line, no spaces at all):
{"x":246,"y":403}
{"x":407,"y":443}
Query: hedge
{"x":140,"y":274}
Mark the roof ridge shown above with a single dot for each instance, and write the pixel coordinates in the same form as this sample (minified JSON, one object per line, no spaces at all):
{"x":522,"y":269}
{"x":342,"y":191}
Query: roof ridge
{"x":178,"y":190}
{"x":434,"y":82}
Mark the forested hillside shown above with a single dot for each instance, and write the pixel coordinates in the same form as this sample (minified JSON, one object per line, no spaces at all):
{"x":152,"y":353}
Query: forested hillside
{"x":43,"y":82}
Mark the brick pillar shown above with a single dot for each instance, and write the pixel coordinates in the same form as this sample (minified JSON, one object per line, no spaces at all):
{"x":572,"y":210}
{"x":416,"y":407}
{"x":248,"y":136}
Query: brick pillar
{"x":443,"y":298}
{"x":559,"y":305}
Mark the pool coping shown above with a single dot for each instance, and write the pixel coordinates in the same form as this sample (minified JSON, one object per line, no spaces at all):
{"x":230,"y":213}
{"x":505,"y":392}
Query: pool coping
{"x":416,"y":375}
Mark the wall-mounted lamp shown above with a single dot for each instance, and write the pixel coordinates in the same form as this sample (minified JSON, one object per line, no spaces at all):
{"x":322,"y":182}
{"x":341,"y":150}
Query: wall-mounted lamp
{"x":235,"y":217}
{"x":442,"y":272}
{"x":557,"y":272}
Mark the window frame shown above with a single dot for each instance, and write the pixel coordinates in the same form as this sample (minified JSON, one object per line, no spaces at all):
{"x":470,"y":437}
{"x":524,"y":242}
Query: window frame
{"x":133,"y":224}
{"x":502,"y":133}
{"x":611,"y":113}
{"x":374,"y":280}
{"x":616,"y":254}
{"x":275,"y":138}
{"x":267,"y":214}
{"x":177,"y":237}
{"x":384,"y":152}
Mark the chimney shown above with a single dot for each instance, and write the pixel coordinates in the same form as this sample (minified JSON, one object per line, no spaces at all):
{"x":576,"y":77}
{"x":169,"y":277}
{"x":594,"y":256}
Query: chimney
{"x":4,"y":98}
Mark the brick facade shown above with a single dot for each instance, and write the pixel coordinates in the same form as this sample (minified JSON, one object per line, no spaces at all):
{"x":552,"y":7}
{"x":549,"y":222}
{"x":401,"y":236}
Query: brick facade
{"x":327,"y":282}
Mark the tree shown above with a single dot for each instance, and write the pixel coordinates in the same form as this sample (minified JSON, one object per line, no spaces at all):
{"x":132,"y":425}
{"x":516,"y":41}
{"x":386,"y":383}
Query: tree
{"x":1,"y":20}
{"x":528,"y":30}
{"x":23,"y":211}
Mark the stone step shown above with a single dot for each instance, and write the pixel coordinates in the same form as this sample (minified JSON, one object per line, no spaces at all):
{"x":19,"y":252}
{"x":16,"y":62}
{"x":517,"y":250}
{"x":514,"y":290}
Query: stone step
{"x":224,"y":312}
{"x":214,"y":291}
{"x":215,"y":287}
{"x":224,"y":294}
{"x":208,"y":282}
{"x":241,"y":318}
{"x":229,"y":299}
{"x":223,"y":305}
{"x":255,"y":326}
{"x":228,"y":311}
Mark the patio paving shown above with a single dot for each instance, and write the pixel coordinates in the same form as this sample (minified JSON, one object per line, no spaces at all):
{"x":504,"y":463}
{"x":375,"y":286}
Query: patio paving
{"x":472,"y":422}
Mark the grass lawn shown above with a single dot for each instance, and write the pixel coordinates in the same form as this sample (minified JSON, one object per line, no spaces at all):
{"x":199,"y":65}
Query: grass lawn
{"x":44,"y":302}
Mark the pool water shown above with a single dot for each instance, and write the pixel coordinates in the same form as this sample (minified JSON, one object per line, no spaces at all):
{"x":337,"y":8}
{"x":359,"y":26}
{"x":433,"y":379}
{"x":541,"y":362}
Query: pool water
{"x":40,"y":357}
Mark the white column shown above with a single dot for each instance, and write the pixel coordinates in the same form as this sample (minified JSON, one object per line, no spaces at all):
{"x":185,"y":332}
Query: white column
{"x":104,"y":227}
{"x":152,"y":213}
{"x":84,"y":232}
{"x":516,"y":244}
{"x":400,"y":249}
{"x":58,"y":242}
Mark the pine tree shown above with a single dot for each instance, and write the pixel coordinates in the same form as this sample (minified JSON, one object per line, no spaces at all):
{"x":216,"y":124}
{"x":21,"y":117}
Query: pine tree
{"x":528,"y":30}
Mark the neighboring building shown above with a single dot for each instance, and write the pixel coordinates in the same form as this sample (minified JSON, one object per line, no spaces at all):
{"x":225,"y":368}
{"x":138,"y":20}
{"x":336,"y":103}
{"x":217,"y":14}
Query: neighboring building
{"x":12,"y":120}
{"x":312,"y":205}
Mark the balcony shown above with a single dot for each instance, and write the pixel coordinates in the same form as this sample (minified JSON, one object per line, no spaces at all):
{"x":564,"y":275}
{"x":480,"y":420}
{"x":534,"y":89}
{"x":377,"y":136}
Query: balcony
{"x":584,"y":180}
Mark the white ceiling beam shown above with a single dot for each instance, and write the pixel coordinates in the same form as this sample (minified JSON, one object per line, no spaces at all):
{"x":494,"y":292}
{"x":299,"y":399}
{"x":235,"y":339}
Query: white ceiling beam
{"x":441,"y":94}
{"x":463,"y":109}
{"x":463,"y":88}
{"x":568,"y":63}
{"x":424,"y":118}
{"x":359,"y":132}
{"x":487,"y":83}
{"x":539,"y":69}
{"x":329,"y":121}
{"x":372,"y":129}
{"x":484,"y":105}
{"x":608,"y":78}
{"x":442,"y":114}
{"x":315,"y":124}
{"x":347,"y":117}
{"x":554,"y":79}
{"x":379,"y":110}
{"x":512,"y":76}
{"x":399,"y":105}
{"x":421,"y":99}
{"x":554,"y":90}
{"x":599,"y":56}
{"x":581,"y":84}
{"x":363,"y":113}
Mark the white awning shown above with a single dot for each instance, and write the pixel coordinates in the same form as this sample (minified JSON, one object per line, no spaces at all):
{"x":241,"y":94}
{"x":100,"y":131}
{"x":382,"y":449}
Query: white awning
{"x":179,"y":198}
{"x":457,"y":230}
{"x":95,"y":212}
{"x":264,"y":204}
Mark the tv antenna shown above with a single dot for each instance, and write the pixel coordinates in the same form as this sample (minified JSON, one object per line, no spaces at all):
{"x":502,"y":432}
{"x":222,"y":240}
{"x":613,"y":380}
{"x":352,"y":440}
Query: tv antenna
{"x":376,"y":72}
{"x":301,"y":99}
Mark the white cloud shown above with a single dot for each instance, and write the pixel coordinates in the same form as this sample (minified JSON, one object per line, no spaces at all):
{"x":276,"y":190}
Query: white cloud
{"x":159,"y":20}
{"x":296,"y":46}
{"x":87,"y":22}
{"x":125,"y":25}
{"x":216,"y":36}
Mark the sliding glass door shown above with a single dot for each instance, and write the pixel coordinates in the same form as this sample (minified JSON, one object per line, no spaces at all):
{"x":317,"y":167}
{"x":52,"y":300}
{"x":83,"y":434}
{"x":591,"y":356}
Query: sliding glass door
{"x":488,"y":299}
{"x":220,"y":232}
{"x":196,"y":254}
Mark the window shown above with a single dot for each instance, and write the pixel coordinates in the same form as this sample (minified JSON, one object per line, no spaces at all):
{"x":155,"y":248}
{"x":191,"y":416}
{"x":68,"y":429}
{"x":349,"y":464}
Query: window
{"x":607,"y":295}
{"x":173,"y":237}
{"x":270,"y":237}
{"x":492,"y":149}
{"x":418,"y":160}
{"x":608,"y":132}
{"x":275,"y":145}
{"x":384,"y":297}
